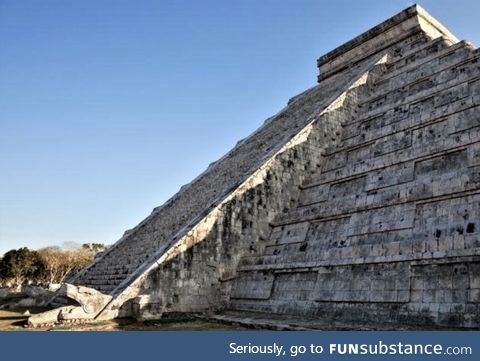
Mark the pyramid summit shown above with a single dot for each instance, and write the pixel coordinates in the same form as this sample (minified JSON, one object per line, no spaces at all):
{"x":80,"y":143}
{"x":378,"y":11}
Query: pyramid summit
{"x":380,"y":38}
{"x":357,"y":204}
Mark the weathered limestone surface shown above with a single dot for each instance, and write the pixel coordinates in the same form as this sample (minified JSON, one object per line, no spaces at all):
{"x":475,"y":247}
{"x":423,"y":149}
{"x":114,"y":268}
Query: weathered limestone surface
{"x":387,"y":229}
{"x":143,"y":245}
{"x":358,"y":202}
{"x":88,"y":303}
{"x":205,"y":272}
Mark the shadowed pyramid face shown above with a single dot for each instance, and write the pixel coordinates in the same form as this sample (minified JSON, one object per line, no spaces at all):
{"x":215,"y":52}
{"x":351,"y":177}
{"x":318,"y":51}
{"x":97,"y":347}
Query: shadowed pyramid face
{"x":356,"y":203}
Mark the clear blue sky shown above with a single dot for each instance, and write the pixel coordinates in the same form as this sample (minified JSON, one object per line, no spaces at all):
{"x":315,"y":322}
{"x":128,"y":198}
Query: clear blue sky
{"x":108,"y":106}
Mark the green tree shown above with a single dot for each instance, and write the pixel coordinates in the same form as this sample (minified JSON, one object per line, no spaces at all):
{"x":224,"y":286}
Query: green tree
{"x":94,"y":247}
{"x":21,"y":265}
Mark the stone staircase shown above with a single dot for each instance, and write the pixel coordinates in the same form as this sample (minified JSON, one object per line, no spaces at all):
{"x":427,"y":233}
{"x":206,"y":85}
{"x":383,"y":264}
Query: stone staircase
{"x":141,"y":246}
{"x":358,"y":202}
{"x":387,"y":229}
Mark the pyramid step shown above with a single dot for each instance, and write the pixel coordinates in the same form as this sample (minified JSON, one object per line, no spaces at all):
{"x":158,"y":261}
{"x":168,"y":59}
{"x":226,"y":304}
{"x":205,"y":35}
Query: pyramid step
{"x":440,"y":92}
{"x":399,"y":60}
{"x":460,"y":136}
{"x":422,"y":64}
{"x":391,"y":92}
{"x":459,"y":57}
{"x":403,"y":118}
{"x":423,"y":53}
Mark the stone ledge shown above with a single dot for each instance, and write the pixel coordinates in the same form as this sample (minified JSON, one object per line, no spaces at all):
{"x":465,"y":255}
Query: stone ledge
{"x":452,"y":256}
{"x":379,"y":37}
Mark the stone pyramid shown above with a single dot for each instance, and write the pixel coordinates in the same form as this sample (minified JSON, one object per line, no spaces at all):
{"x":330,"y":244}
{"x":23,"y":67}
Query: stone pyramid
{"x":359,"y":202}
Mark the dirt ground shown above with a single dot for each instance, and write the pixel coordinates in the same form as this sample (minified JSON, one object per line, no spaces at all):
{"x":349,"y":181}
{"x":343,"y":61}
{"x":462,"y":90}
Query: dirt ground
{"x":15,"y":320}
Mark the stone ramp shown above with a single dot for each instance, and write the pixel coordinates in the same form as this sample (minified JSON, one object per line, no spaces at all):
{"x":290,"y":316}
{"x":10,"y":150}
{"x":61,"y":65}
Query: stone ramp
{"x":388,"y":228}
{"x":196,"y":274}
{"x":201,"y":277}
{"x":357,"y":203}
{"x":141,"y":246}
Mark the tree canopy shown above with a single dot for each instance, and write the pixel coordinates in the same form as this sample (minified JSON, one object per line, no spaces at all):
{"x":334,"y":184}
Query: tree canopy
{"x":47,"y":265}
{"x":20,"y":265}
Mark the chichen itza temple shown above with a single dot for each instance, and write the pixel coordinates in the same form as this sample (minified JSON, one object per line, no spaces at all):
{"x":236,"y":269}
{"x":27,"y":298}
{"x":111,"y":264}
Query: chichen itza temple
{"x":356,"y":204}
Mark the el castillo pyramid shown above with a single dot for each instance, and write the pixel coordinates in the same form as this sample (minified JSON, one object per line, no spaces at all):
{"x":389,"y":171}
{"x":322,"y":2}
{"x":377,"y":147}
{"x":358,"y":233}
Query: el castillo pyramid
{"x":358,"y":203}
